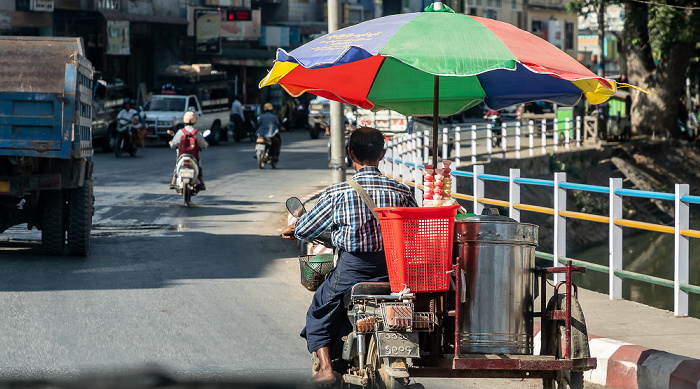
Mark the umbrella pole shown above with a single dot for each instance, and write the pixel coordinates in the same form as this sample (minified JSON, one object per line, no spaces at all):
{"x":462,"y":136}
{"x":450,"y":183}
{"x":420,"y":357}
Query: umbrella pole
{"x":436,"y":106}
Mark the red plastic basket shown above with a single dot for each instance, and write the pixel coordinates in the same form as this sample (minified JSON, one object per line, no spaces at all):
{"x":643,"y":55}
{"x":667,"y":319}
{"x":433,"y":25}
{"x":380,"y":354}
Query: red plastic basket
{"x":418,"y":246}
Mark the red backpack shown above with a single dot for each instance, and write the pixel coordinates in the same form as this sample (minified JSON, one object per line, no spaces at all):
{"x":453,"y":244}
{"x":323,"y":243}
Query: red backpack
{"x":188,"y":144}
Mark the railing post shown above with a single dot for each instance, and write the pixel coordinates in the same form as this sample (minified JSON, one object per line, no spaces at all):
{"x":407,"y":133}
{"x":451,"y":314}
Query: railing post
{"x":681,"y":252}
{"x":395,"y":166}
{"x":531,"y":129}
{"x":445,"y":143}
{"x":478,"y":188}
{"x":517,"y":140}
{"x":615,"y":240}
{"x":458,"y":146}
{"x":504,"y":141}
{"x":388,"y":164}
{"x":514,"y":195}
{"x":405,"y":160}
{"x":544,"y":136}
{"x":578,"y":131}
{"x":419,"y":148}
{"x":567,"y":127}
{"x":489,"y":141}
{"x":555,"y":136}
{"x":418,"y":179}
{"x":559,"y":250}
{"x":473,"y":143}
{"x":426,"y":146}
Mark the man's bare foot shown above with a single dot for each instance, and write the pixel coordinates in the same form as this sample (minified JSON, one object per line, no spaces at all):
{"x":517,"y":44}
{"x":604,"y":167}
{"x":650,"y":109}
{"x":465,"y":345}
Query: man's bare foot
{"x":323,"y":377}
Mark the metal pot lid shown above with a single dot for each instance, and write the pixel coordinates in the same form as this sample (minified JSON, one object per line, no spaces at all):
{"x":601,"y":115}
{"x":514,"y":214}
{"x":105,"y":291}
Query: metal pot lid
{"x":490,"y":227}
{"x":488,"y":215}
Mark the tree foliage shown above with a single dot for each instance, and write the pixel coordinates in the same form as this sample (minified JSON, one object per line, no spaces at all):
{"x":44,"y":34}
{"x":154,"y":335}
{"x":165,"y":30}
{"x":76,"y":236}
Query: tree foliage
{"x":661,"y":37}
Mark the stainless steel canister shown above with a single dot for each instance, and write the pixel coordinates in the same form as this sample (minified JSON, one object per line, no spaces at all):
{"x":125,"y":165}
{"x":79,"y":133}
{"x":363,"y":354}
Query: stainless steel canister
{"x":497,"y":255}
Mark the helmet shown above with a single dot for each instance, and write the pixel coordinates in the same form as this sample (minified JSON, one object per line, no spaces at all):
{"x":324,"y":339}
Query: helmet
{"x":189,"y":118}
{"x":127,"y":101}
{"x":268,"y":107}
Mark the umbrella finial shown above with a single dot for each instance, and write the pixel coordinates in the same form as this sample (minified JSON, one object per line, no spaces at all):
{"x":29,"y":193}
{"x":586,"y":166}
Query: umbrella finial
{"x":438,"y":6}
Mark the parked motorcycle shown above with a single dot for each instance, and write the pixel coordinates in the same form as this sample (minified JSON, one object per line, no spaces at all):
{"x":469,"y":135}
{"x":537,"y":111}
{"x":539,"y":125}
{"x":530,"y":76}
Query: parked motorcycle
{"x":187,"y":175}
{"x":124,"y":138}
{"x":262,"y":152}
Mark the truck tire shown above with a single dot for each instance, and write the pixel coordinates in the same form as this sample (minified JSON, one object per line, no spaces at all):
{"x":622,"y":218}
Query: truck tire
{"x":80,"y":210}
{"x":53,"y":237}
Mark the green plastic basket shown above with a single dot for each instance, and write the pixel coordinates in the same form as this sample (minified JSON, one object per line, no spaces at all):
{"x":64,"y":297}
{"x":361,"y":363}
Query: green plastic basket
{"x":315,"y":269}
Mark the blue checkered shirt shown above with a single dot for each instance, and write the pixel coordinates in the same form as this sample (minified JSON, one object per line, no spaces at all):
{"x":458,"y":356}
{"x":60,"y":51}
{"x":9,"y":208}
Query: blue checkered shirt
{"x":341,"y":209}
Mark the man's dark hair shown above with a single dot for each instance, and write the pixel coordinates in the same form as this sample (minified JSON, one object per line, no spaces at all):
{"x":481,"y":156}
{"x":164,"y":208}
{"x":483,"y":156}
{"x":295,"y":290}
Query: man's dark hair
{"x":366,"y":143}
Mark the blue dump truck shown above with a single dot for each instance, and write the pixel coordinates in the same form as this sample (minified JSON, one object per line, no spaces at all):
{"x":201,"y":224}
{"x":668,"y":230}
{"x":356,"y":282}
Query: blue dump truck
{"x":46,"y":141}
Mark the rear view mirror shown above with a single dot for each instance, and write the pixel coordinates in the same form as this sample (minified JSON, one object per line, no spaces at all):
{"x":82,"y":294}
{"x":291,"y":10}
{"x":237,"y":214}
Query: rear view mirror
{"x":295,"y":207}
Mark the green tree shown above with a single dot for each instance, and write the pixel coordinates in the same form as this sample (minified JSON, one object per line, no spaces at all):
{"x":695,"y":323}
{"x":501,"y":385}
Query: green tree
{"x":585,"y":7}
{"x":660,"y":39}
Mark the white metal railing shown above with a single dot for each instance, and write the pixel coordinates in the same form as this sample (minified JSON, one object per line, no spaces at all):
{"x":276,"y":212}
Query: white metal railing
{"x":405,"y":158}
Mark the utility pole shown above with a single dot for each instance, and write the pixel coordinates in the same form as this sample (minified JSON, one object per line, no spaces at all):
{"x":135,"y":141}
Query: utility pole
{"x":601,"y":37}
{"x":337,"y":122}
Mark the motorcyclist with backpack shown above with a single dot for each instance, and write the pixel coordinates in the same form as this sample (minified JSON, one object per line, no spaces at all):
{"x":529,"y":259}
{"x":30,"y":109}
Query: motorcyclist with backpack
{"x":189,"y":141}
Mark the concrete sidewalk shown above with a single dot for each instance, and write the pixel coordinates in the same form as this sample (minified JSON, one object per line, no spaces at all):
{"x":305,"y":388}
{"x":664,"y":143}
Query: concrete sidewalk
{"x":637,"y":346}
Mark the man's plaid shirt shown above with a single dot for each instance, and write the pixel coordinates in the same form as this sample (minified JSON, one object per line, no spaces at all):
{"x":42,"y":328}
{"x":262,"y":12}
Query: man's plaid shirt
{"x":340,"y":208}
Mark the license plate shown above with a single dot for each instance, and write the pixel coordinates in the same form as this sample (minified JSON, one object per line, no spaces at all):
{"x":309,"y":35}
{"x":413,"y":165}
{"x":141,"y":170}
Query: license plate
{"x":398,"y":344}
{"x":187,"y":173}
{"x":259,"y":147}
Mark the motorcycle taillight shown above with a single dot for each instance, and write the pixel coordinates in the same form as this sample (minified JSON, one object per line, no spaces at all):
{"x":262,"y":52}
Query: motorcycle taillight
{"x":186,"y":163}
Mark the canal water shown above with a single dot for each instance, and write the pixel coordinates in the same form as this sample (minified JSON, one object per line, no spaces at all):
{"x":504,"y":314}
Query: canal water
{"x":649,"y":253}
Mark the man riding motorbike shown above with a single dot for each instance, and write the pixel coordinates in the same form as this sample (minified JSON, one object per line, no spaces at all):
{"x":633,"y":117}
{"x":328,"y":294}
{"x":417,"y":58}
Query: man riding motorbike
{"x":269,"y":127}
{"x":356,"y":235}
{"x":189,"y":119}
{"x":132,"y":116}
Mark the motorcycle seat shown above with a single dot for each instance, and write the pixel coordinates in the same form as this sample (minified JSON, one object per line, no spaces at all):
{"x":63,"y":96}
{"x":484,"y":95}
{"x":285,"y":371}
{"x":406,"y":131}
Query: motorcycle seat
{"x":366,"y":289}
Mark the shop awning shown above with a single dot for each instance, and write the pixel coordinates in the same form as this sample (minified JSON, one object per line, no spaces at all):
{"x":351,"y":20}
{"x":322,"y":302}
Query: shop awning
{"x":116,"y":15}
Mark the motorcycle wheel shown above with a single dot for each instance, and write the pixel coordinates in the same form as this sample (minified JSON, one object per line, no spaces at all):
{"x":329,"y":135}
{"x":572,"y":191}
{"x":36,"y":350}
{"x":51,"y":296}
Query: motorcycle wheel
{"x":118,"y":145}
{"x":554,"y":331}
{"x":314,"y":131}
{"x":187,"y":194}
{"x":378,"y":369}
{"x":260,"y":155}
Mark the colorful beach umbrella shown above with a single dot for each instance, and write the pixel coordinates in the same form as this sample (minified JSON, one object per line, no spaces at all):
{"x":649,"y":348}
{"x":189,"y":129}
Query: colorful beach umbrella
{"x":435,"y":63}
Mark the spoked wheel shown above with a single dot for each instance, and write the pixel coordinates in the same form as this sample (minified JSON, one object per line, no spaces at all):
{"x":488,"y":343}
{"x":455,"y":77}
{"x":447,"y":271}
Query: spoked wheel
{"x":119,"y":145}
{"x":554,"y":332}
{"x":187,"y":194}
{"x":53,"y":236}
{"x":380,"y":377}
{"x":80,"y":208}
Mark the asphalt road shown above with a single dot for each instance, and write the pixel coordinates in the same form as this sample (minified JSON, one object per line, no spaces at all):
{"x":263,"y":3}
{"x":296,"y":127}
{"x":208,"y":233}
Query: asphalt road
{"x":207,"y":292}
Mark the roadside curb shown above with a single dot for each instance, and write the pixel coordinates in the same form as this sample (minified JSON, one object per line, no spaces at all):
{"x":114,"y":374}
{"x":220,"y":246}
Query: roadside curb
{"x":623,"y":365}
